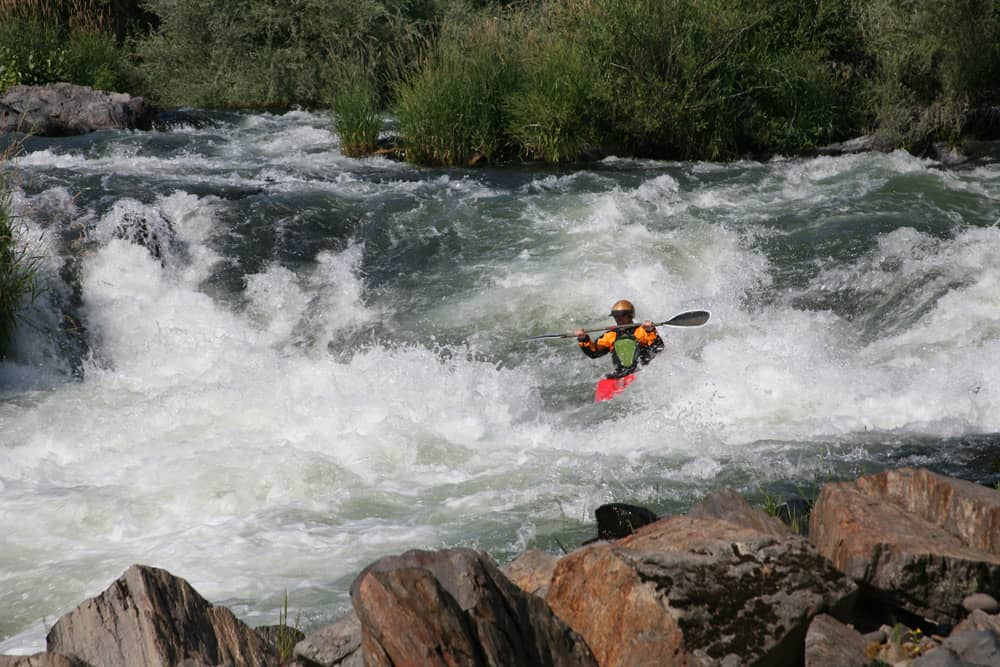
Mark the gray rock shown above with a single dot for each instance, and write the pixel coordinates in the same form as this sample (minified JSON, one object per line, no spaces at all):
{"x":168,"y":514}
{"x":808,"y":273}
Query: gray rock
{"x":337,"y":645}
{"x":982,"y":602}
{"x":979,"y":647}
{"x":830,"y":643}
{"x":65,"y":109}
{"x":150,"y":617}
{"x":728,"y":505}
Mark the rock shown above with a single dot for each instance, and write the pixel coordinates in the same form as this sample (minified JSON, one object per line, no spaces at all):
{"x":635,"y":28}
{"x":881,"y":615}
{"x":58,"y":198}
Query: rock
{"x":532,"y":571}
{"x":858,"y":145}
{"x":335,"y":645}
{"x":697,"y":591}
{"x":39,"y":660}
{"x":455,"y":607}
{"x":878,"y":531}
{"x":830,"y":643}
{"x":150,"y":617}
{"x":969,"y":649}
{"x":982,"y":602}
{"x":728,"y":505}
{"x":617,"y":520}
{"x":978,"y":620}
{"x":969,"y":511}
{"x":65,"y":109}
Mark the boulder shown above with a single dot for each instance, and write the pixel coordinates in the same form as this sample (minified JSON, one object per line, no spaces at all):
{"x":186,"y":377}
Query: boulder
{"x":531,"y":571}
{"x":617,"y":520}
{"x":337,"y":645}
{"x":150,"y":617}
{"x":65,"y":109}
{"x":455,"y":607}
{"x":697,"y":591}
{"x":728,"y":505}
{"x":830,"y":643}
{"x":924,"y":556}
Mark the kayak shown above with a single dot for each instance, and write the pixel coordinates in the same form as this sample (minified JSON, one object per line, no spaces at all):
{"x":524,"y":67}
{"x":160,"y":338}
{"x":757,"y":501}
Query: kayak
{"x":608,"y":388}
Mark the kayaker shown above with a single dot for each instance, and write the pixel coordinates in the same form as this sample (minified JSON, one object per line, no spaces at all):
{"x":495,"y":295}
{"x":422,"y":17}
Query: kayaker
{"x":630,"y":344}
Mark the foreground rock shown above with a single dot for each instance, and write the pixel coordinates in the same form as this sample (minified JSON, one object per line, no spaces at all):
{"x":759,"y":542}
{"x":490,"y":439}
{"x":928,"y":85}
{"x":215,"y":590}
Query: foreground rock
{"x":914,"y":539}
{"x":455,"y":607}
{"x":697,"y":591}
{"x":65,"y":109}
{"x":149,"y":617}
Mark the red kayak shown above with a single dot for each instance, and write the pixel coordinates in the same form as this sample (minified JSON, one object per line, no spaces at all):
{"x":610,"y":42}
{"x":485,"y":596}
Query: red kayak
{"x":608,"y":388}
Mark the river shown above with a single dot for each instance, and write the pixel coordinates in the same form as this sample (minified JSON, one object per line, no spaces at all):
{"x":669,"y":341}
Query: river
{"x":327,"y":362}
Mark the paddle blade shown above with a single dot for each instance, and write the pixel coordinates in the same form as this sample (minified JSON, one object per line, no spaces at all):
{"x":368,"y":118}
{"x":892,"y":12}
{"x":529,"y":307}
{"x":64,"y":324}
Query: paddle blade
{"x":692,"y":318}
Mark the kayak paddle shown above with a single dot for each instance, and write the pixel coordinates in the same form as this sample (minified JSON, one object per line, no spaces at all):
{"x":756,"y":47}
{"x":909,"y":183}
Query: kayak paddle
{"x":691,"y":318}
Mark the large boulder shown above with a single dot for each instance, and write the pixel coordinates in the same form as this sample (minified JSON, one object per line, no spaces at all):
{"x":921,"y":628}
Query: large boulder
{"x":65,"y":109}
{"x":914,"y":539}
{"x":150,"y":617}
{"x":697,"y":591}
{"x":455,"y":607}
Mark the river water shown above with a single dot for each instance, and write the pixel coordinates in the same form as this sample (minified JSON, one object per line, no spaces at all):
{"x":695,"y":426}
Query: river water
{"x":326,"y":362}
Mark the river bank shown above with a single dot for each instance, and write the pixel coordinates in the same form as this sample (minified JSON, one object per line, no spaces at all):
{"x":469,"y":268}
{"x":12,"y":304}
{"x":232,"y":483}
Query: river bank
{"x":900,"y":567}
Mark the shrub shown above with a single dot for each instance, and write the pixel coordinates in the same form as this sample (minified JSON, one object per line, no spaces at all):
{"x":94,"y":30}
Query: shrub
{"x":934,"y":60}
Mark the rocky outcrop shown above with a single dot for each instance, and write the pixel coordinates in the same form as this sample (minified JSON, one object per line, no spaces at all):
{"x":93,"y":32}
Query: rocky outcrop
{"x":913,"y":539}
{"x":697,"y":591}
{"x":455,"y":607}
{"x":725,"y":585}
{"x":65,"y":109}
{"x":150,"y":617}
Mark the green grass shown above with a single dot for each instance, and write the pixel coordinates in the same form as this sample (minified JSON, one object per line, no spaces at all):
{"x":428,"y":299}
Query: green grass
{"x":19,"y":265}
{"x":356,"y":117}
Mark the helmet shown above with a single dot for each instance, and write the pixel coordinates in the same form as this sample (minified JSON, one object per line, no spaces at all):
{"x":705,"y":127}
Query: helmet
{"x":623,"y":307}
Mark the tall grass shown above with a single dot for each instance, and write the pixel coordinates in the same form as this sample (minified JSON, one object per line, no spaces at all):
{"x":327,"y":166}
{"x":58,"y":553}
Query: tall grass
{"x":19,"y":265}
{"x":356,"y":116}
{"x":46,"y":41}
{"x":452,"y":110}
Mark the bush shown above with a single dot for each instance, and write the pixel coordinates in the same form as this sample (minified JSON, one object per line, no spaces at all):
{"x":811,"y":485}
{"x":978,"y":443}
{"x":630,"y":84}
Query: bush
{"x":934,"y":61}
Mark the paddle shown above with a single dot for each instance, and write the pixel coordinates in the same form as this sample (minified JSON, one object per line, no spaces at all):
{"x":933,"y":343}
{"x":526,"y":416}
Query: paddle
{"x":691,"y":318}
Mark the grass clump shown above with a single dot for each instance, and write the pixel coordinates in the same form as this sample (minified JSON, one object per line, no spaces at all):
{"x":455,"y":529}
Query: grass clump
{"x":356,"y":116}
{"x":452,"y":111}
{"x":19,"y":265}
{"x":47,"y":41}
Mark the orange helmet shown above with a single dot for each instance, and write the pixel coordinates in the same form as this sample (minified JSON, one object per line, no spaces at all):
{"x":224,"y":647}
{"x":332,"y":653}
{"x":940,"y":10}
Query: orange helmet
{"x":623,"y":307}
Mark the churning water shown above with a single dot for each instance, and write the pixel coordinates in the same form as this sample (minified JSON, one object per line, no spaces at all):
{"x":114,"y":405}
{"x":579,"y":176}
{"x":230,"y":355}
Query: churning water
{"x":262,"y":365}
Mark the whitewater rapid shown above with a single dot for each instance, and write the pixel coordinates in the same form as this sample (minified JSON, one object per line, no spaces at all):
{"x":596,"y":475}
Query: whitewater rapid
{"x":326,"y":362}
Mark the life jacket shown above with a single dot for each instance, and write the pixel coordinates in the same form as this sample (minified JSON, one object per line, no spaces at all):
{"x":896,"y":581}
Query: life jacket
{"x":624,"y":353}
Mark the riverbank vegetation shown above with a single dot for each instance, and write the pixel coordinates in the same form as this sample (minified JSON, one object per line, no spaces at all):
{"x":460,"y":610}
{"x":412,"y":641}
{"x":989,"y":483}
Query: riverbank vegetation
{"x":486,"y":81}
{"x":18,"y":264}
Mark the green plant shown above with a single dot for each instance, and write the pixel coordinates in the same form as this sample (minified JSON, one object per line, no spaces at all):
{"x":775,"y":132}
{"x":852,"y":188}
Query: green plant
{"x":286,"y":634}
{"x":356,"y":117}
{"x":19,"y":264}
{"x":452,"y":111}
